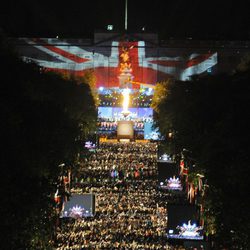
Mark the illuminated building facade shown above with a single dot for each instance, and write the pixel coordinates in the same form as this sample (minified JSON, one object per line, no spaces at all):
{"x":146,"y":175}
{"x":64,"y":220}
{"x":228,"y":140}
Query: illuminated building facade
{"x":149,"y":61}
{"x":137,"y":61}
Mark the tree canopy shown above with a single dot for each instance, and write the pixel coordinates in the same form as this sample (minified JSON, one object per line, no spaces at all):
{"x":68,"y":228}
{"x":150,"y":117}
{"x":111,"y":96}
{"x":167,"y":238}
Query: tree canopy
{"x":209,"y":118}
{"x":44,"y":119}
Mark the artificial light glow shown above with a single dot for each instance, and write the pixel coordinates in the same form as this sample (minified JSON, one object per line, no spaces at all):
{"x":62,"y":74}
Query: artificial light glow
{"x":174,"y":184}
{"x":110,"y":27}
{"x":165,"y":157}
{"x":189,"y":230}
{"x":76,"y":211}
{"x":125,"y":100}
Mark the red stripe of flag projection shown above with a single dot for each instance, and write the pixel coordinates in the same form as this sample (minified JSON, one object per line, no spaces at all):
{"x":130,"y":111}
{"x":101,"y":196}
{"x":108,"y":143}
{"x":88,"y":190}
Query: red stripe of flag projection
{"x":147,"y":64}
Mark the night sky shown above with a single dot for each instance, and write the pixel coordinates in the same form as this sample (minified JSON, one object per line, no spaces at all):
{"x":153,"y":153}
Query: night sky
{"x":179,"y":19}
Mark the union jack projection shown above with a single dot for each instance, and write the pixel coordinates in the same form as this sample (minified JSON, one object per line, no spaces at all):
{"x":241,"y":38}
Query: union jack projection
{"x":147,"y":64}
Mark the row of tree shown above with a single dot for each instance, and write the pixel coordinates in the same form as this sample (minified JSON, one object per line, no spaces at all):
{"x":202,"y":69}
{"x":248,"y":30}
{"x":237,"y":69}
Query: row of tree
{"x":44,"y":119}
{"x":208,"y":118}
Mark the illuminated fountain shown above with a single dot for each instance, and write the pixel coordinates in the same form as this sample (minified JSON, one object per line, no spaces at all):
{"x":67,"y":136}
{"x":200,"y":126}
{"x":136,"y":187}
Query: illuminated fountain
{"x":125,"y":127}
{"x":125,"y":112}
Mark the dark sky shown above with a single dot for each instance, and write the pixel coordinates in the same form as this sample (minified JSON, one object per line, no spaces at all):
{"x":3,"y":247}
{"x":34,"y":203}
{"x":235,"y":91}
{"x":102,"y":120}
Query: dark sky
{"x":200,"y":19}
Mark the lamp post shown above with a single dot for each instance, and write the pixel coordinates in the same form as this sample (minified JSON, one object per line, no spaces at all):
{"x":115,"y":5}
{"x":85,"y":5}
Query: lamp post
{"x":126,"y":14}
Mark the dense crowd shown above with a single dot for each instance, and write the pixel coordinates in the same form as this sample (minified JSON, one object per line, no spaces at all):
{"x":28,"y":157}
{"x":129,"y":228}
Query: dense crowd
{"x":130,"y":212}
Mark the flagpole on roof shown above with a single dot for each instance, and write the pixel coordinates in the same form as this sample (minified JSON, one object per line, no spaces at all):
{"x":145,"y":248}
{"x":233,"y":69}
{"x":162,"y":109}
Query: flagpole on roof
{"x":126,"y":14}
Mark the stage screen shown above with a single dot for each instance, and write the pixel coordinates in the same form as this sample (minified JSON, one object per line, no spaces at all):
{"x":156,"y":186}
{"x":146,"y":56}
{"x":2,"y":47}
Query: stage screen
{"x":79,"y":206}
{"x":183,"y":222}
{"x":151,"y":133}
{"x":168,"y":178}
{"x":166,"y":170}
{"x":114,"y":113}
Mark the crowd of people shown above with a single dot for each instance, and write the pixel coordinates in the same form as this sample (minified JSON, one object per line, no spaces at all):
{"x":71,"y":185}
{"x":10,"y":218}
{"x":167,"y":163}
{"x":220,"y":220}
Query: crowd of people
{"x":130,"y":211}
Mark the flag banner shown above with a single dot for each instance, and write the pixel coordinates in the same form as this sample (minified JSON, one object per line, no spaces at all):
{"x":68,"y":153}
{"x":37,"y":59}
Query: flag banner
{"x":185,"y":171}
{"x":141,"y":64}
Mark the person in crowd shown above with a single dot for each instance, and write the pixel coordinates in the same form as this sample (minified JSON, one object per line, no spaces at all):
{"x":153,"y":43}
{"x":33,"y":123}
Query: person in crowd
{"x":130,"y":210}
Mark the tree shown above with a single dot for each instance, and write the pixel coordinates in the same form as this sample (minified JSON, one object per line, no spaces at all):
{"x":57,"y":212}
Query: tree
{"x":89,"y":78}
{"x":244,"y":65}
{"x":209,"y":116}
{"x":44,"y":117}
